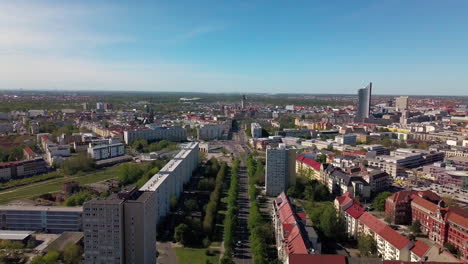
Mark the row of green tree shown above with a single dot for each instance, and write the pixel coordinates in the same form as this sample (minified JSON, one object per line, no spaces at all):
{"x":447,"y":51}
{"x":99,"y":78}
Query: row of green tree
{"x":142,"y":145}
{"x":212,"y":206}
{"x":33,"y":179}
{"x":230,"y":222}
{"x":255,"y":223}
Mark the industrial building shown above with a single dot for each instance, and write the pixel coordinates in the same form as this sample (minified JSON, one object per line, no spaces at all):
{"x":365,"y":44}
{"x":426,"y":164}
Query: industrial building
{"x":50,"y":219}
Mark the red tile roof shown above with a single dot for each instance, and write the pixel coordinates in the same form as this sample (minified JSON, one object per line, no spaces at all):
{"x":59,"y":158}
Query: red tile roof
{"x":319,"y":259}
{"x":424,"y":203}
{"x":355,"y":211}
{"x":310,"y":162}
{"x":394,"y":238}
{"x":458,"y":216}
{"x":372,"y":222}
{"x":295,"y":242}
{"x":420,"y":248}
{"x":29,"y":151}
{"x":345,"y":199}
{"x":386,"y":232}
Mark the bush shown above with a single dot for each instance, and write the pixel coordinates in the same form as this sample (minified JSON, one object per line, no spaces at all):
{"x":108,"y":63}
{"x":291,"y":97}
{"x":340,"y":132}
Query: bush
{"x":82,"y":163}
{"x":79,"y":198}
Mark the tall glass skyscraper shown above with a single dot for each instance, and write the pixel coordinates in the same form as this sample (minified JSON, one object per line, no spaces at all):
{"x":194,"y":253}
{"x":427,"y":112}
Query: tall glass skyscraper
{"x":364,"y":103}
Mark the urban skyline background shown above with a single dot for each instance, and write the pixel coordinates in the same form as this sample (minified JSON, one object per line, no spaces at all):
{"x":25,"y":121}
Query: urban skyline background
{"x":335,"y":47}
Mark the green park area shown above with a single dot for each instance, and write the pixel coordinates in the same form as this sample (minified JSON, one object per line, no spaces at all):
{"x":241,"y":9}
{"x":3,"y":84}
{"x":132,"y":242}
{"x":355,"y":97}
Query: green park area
{"x":54,"y":185}
{"x":196,"y":255}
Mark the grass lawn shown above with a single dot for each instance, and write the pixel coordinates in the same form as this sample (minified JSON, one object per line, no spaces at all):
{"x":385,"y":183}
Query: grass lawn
{"x":54,"y":185}
{"x":194,"y":256}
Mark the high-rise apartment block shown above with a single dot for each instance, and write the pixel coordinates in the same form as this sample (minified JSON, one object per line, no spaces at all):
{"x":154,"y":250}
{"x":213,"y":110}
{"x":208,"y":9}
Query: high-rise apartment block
{"x":364,"y":103}
{"x":120,"y":228}
{"x":169,"y":181}
{"x":256,"y":130}
{"x":401,"y":103}
{"x":280,"y":169}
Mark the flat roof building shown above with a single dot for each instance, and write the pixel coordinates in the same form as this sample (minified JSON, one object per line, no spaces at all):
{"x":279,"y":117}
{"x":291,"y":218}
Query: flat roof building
{"x":51,"y":219}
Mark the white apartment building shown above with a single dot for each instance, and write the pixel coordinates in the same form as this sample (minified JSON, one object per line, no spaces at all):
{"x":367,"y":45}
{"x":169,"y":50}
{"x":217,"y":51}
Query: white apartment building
{"x":108,"y":151}
{"x":173,"y":133}
{"x":212,"y":132}
{"x":256,"y":130}
{"x":169,"y":181}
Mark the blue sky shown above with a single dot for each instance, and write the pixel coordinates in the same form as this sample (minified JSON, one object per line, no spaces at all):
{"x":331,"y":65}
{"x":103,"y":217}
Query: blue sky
{"x":403,"y":47}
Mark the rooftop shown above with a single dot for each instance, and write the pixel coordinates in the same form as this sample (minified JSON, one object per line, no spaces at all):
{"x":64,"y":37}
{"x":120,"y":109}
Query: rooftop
{"x":14,"y":234}
{"x":41,"y":208}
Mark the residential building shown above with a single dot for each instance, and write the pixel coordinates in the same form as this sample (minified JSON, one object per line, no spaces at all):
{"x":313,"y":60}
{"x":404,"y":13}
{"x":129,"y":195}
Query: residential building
{"x":212,"y":132}
{"x":364,"y":103}
{"x":106,"y":151}
{"x":441,"y":224}
{"x":401,"y":103}
{"x":22,"y":169}
{"x":280,"y":169}
{"x":169,"y":181}
{"x":120,"y":228}
{"x":173,"y":133}
{"x":378,"y":180}
{"x":346,"y":139}
{"x":293,"y":233}
{"x":339,"y":182}
{"x":423,"y":253}
{"x":390,"y":244}
{"x":398,"y":205}
{"x":308,"y":168}
{"x":50,"y":219}
{"x":256,"y":130}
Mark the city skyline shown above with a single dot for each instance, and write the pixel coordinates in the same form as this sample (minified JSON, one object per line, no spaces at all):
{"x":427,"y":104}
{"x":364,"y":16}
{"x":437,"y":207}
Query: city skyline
{"x":313,"y":48}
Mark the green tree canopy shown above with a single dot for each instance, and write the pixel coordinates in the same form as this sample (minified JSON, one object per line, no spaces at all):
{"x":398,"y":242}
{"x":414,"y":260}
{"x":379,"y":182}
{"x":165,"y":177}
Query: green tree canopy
{"x":379,"y":201}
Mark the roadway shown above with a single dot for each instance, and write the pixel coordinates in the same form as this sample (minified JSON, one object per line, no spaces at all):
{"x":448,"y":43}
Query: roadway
{"x":242,"y":251}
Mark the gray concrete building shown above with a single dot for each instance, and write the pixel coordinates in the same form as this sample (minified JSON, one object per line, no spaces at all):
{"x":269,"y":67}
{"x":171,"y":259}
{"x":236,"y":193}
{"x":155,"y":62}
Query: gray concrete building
{"x":173,"y":133}
{"x":169,"y":181}
{"x":120,"y":228}
{"x":50,"y":219}
{"x":256,"y":130}
{"x":280,"y":169}
{"x":364,"y":103}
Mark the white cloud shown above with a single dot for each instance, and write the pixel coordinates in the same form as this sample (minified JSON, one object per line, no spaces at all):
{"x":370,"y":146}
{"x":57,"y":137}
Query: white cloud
{"x":42,"y":46}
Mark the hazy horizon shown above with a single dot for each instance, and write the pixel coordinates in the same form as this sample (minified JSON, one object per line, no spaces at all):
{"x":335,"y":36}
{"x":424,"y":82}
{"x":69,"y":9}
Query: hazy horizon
{"x":333,"y":47}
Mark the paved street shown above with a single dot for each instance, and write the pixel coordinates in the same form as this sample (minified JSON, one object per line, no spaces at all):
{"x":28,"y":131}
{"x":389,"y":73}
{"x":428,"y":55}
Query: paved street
{"x":242,"y":254}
